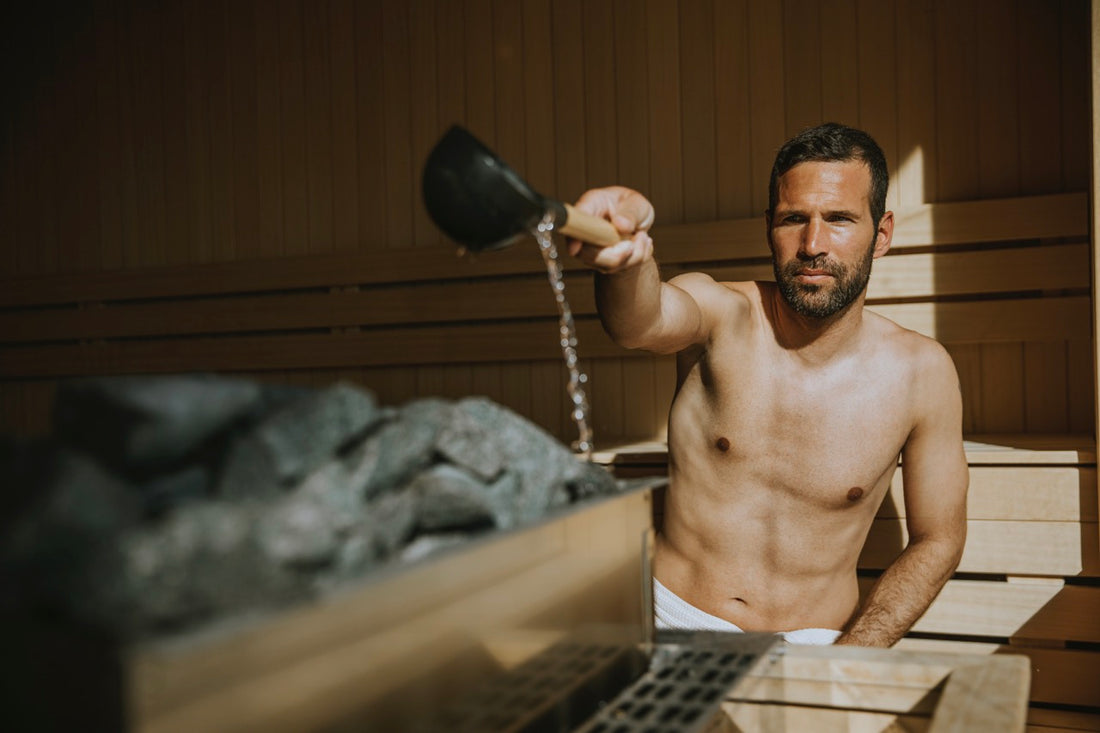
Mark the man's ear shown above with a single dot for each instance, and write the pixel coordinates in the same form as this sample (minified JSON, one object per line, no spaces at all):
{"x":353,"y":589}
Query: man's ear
{"x":885,"y":234}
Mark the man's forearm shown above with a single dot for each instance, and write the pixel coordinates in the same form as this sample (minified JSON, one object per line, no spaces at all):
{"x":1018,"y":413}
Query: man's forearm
{"x":902,"y":593}
{"x":629,"y":303}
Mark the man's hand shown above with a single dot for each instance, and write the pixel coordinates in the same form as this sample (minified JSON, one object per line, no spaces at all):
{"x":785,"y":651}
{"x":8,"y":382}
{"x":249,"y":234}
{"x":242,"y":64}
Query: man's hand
{"x":631,"y":214}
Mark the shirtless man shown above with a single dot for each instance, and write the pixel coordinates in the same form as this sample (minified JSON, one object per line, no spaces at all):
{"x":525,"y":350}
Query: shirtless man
{"x":793,"y":404}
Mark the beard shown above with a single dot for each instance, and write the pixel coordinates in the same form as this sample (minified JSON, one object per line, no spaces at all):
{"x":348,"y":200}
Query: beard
{"x":822,"y":301}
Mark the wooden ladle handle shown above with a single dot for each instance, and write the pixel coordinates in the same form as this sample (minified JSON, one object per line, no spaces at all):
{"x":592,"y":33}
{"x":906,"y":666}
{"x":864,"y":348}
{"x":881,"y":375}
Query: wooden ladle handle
{"x":588,"y":228}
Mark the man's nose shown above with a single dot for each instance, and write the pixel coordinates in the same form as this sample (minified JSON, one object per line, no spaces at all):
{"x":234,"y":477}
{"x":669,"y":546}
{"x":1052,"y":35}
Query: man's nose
{"x":814,"y":242}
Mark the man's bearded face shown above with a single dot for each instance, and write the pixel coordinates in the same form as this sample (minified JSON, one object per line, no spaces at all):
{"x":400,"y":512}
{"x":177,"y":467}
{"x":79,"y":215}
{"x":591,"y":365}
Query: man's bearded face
{"x":823,"y":300}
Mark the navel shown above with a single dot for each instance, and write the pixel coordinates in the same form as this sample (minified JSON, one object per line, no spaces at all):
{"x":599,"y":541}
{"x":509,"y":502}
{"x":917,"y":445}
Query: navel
{"x":722,"y":444}
{"x":855,"y":493}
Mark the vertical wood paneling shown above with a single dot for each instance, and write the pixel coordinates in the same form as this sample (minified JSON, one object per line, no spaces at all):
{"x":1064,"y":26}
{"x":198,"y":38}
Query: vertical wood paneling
{"x":697,"y":73}
{"x":802,"y":64}
{"x":915,"y":37}
{"x":605,"y":396}
{"x":269,"y":134}
{"x":1075,"y":67}
{"x":109,"y":148}
{"x":766,"y":110}
{"x":631,"y":96}
{"x":197,"y":224}
{"x":1002,"y":385}
{"x":878,"y":106}
{"x":956,"y":93}
{"x":292,"y":115}
{"x":569,"y":109}
{"x":548,"y":382}
{"x":317,"y":81}
{"x":601,"y":149}
{"x":424,"y":121}
{"x":665,"y":155}
{"x":371,"y":130}
{"x":1040,"y":117}
{"x":998,"y":169}
{"x":1045,"y":392}
{"x":222,"y":205}
{"x":174,"y":133}
{"x":77,"y":203}
{"x":840,"y":57}
{"x":968,"y":364}
{"x":186,"y":74}
{"x":345,"y":174}
{"x":480,"y":105}
{"x":147,"y":78}
{"x":243,"y":94}
{"x":398,"y":183}
{"x":538,"y":104}
{"x":733,"y":144}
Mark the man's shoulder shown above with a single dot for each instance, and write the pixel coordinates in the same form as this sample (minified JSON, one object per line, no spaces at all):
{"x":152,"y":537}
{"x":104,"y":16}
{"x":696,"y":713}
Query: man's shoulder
{"x":726,"y":294}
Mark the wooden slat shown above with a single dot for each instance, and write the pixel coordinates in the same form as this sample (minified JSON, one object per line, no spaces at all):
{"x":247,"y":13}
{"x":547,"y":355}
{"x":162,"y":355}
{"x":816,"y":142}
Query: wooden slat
{"x":1063,"y":215}
{"x":515,"y":341}
{"x":1052,"y":612}
{"x":1021,"y":492}
{"x":1058,"y":676}
{"x":1010,"y":547}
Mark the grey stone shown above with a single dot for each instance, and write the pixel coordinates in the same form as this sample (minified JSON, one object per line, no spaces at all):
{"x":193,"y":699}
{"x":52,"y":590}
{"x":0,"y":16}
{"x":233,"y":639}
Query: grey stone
{"x":593,"y":480}
{"x":144,"y":422}
{"x":449,"y":498}
{"x":432,"y":544}
{"x":466,"y":442}
{"x":304,"y":434}
{"x":390,"y":521}
{"x":300,"y":531}
{"x":406,"y":444}
{"x":166,"y":491}
{"x":542,"y":464}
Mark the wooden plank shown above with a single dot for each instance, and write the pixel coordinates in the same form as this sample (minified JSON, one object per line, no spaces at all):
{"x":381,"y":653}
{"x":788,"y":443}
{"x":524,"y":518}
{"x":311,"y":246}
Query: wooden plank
{"x":1046,"y":388}
{"x":1002,"y":388}
{"x":316,"y":31}
{"x":766,"y":109}
{"x":878,"y":107}
{"x":916,"y":174}
{"x":697,"y":109}
{"x":399,"y":185}
{"x":424,"y":124}
{"x":1019,"y":492}
{"x":1037,"y":65}
{"x":733,"y":150}
{"x":223,"y":207}
{"x":345,"y":178}
{"x":990,"y":696}
{"x":241,"y":44}
{"x":292,"y":111}
{"x":370,"y":153}
{"x":538,"y":105}
{"x":662,"y":45}
{"x":985,"y":320}
{"x":269,"y":134}
{"x":997,"y":101}
{"x":109,"y":143}
{"x":600,"y":95}
{"x":631,"y":96}
{"x":956,"y":100}
{"x":840,"y":50}
{"x":1076,"y":86}
{"x":569,"y":99}
{"x":1064,"y":215}
{"x":1058,"y":676}
{"x":1080,"y":358}
{"x":1052,"y":612}
{"x":802,"y":65}
{"x":1069,"y":449}
{"x":1069,"y":548}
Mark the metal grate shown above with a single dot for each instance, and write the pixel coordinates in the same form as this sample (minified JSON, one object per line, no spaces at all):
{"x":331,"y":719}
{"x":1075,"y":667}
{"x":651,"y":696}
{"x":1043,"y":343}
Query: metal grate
{"x":690,"y":674}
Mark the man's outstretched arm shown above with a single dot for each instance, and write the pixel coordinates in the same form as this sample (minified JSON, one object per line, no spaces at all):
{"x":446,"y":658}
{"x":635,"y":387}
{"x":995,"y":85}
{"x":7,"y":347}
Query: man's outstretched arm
{"x":637,"y":310}
{"x":936,"y":480}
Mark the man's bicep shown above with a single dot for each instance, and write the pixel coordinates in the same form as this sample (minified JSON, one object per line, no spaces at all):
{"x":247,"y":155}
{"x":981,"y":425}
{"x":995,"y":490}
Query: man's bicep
{"x":934,"y":464}
{"x":690,"y":305}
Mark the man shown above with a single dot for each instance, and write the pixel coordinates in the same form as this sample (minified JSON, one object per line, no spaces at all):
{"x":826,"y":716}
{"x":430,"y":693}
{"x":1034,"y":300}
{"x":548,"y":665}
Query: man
{"x":792,"y":408}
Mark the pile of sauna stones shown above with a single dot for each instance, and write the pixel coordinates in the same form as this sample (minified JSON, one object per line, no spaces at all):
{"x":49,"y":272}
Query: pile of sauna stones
{"x":159,"y":504}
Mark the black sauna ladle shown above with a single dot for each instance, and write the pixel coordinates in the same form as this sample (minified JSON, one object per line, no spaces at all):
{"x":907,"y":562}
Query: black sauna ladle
{"x":482,"y":204}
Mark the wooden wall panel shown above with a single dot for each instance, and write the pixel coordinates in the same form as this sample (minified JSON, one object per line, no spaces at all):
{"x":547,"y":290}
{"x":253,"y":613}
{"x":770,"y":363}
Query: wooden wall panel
{"x":178,"y":133}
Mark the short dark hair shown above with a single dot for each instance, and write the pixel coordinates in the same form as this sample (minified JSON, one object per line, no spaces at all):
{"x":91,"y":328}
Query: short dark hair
{"x":833,"y":142}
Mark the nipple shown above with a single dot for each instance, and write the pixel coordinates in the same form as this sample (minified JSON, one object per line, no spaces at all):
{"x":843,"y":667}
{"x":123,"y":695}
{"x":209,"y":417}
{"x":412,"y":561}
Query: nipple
{"x":855,"y":493}
{"x":723,"y":444}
